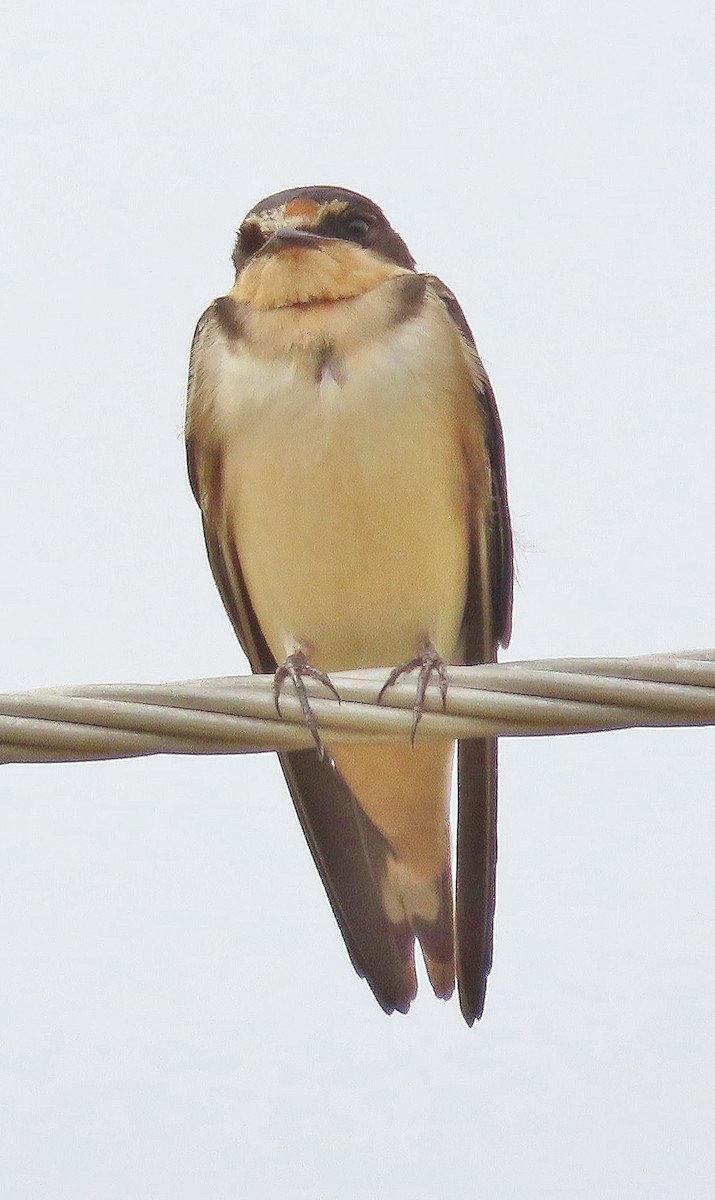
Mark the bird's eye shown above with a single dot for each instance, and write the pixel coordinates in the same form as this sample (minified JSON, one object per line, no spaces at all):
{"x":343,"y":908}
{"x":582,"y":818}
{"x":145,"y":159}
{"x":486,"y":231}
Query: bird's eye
{"x":252,"y":238}
{"x":357,"y":228}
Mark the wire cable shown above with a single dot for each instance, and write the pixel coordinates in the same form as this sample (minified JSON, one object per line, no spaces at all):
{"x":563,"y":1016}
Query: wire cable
{"x":237,"y":715}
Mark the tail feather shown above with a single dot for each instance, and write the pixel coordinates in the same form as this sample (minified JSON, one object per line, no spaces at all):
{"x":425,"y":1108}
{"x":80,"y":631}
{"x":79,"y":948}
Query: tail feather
{"x":403,"y":793}
{"x":425,"y":908}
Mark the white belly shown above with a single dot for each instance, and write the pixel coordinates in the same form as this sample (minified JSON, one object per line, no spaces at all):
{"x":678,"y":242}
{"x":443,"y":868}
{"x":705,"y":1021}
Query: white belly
{"x":347,"y":502}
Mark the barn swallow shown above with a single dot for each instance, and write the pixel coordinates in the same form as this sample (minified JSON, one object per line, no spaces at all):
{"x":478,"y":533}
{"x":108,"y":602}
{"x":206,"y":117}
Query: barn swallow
{"x":345,"y":450}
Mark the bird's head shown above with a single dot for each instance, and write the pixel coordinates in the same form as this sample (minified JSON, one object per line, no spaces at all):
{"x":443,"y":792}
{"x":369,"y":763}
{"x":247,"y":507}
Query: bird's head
{"x":312,"y":245}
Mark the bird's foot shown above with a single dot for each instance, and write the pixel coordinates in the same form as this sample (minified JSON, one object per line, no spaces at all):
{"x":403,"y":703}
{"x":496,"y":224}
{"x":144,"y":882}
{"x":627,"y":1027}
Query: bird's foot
{"x":295,"y":668}
{"x":428,"y":663}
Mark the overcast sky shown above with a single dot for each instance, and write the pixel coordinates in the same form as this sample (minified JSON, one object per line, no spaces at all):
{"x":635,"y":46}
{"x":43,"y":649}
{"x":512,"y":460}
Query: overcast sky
{"x":178,"y":1016}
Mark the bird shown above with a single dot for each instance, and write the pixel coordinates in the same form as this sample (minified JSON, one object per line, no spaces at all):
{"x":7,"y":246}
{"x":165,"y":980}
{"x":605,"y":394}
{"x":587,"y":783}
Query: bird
{"x":346,"y":453}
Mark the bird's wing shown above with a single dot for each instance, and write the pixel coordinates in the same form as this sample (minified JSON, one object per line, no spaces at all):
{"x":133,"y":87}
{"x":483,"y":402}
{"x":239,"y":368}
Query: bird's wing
{"x":487,"y":623}
{"x":347,"y":848}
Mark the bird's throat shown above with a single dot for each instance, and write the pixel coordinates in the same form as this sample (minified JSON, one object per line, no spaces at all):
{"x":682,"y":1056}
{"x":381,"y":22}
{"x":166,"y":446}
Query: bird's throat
{"x":304,"y":275}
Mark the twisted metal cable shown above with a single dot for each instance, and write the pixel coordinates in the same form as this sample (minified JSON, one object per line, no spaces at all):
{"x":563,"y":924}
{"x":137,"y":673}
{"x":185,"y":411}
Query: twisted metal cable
{"x":236,"y":715}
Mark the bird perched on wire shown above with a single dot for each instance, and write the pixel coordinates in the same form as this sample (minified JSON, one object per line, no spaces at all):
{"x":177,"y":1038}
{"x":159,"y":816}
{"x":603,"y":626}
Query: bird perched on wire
{"x":346,"y":453}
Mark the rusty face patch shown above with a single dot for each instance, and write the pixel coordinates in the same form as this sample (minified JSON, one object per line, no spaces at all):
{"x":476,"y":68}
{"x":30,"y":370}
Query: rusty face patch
{"x":302,"y":208}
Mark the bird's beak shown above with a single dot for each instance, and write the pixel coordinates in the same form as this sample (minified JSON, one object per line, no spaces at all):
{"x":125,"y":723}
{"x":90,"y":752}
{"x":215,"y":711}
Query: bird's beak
{"x":292,"y":239}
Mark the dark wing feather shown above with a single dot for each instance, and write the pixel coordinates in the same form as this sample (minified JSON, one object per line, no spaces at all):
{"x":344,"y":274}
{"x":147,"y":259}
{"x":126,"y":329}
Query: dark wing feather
{"x":487,"y":623}
{"x":342,"y":840}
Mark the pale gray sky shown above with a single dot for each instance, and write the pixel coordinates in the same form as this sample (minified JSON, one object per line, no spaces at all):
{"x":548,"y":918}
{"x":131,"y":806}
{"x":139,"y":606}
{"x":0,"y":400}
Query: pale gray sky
{"x":178,"y":1017}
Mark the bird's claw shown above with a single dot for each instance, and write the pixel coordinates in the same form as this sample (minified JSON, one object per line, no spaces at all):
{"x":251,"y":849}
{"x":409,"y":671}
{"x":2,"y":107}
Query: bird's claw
{"x":295,"y":668}
{"x":428,"y":663}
